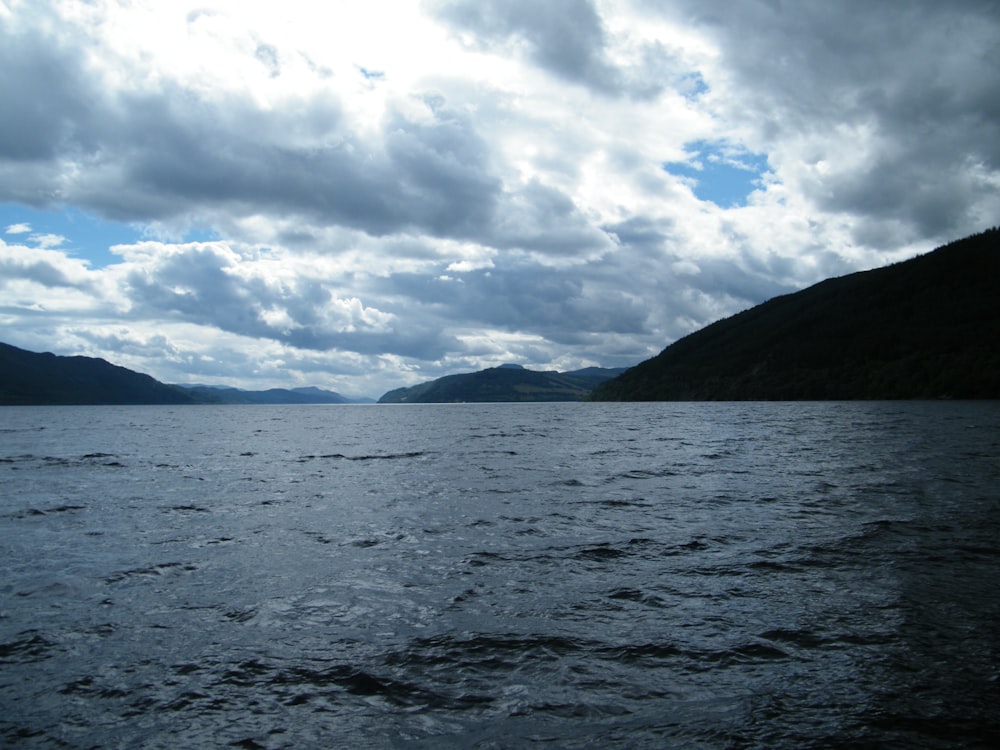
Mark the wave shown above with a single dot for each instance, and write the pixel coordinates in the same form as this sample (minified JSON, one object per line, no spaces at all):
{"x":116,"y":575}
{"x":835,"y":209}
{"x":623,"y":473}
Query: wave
{"x":364,"y":457}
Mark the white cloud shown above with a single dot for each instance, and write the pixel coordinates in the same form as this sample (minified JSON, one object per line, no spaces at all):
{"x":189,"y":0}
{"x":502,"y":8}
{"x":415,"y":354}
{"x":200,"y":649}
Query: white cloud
{"x":48,"y":240}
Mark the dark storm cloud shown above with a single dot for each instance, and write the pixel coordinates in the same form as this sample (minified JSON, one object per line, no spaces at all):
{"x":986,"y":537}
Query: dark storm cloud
{"x":445,"y":182}
{"x":170,"y":152}
{"x":746,"y":281}
{"x":198,"y":286}
{"x":38,"y":271}
{"x":917,"y":79}
{"x":640,"y":232}
{"x":678,"y":290}
{"x":528,"y":299}
{"x":42,"y":266}
{"x":543,"y":219}
{"x":522,"y":297}
{"x":934,"y":201}
{"x":47,"y":105}
{"x":44,"y":94}
{"x":565,"y":37}
{"x":427,"y":176}
{"x":204,"y":285}
{"x":412,"y":340}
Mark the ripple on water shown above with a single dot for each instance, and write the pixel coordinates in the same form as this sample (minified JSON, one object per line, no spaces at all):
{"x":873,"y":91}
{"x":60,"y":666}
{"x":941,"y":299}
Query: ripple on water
{"x":732,"y":575}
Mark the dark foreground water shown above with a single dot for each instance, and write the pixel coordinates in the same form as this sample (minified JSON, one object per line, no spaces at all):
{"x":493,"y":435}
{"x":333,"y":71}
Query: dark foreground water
{"x":574,"y":575}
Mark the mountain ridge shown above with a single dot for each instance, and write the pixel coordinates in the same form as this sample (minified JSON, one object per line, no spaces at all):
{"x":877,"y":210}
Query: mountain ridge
{"x":42,"y":378}
{"x":927,"y":327}
{"x":302,"y":395}
{"x":32,"y":378}
{"x":506,"y":383}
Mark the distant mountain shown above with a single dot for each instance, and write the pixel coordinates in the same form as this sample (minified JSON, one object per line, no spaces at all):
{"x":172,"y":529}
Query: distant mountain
{"x":206,"y":394}
{"x":928,"y":327}
{"x":504,"y":383}
{"x":31,"y":378}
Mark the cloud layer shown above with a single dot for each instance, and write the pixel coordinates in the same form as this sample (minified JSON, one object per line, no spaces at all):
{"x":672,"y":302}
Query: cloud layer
{"x":372,"y":197}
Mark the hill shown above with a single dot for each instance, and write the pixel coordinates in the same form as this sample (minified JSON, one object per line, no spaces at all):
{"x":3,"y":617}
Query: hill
{"x":207,"y":394}
{"x":32,"y":378}
{"x":928,"y":327}
{"x":504,"y":383}
{"x":29,"y":378}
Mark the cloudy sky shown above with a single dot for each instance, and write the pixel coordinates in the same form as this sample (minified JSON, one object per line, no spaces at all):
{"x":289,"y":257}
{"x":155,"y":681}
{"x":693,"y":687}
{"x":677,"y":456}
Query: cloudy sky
{"x":364,"y":195}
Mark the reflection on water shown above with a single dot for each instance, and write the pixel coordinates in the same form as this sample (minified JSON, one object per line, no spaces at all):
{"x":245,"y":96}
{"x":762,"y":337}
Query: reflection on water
{"x":632,"y":575}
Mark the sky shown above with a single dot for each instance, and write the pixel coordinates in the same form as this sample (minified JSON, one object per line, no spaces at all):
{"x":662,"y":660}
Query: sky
{"x":363,"y":196}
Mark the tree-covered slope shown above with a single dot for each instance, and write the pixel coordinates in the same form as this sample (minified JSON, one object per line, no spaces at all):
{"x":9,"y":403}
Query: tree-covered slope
{"x":214,"y":395}
{"x":502,"y":384}
{"x":32,"y":378}
{"x":928,"y":327}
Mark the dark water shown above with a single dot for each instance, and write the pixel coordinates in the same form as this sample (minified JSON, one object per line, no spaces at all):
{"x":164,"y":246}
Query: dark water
{"x":573,"y":575}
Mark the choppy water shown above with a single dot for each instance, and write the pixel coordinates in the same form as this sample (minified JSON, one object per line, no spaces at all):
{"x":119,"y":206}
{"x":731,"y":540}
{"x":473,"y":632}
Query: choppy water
{"x":578,"y":575}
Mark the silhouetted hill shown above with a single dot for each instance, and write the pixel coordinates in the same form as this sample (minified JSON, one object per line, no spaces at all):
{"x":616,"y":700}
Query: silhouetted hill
{"x":31,"y":378}
{"x":207,"y":394}
{"x":504,"y":383}
{"x":928,"y":327}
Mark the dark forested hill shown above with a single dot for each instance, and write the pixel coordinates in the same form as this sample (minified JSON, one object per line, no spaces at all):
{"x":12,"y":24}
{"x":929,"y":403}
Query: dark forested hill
{"x":928,"y":327}
{"x":215,"y":395}
{"x":31,"y":378}
{"x":507,"y":383}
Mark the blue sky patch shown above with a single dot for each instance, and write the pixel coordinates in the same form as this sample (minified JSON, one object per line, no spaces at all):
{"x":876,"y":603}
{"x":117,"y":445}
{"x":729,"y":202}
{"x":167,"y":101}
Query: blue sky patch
{"x":692,"y":86}
{"x":84,"y":234}
{"x":721,"y":174}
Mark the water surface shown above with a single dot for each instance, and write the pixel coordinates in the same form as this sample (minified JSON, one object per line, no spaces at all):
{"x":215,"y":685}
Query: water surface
{"x":574,"y":575}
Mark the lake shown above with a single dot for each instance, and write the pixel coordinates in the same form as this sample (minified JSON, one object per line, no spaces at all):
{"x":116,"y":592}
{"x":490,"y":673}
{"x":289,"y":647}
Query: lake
{"x":697,"y":575}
